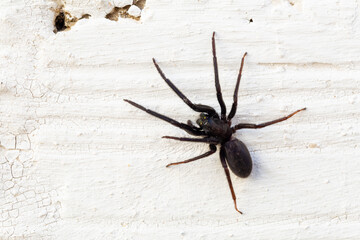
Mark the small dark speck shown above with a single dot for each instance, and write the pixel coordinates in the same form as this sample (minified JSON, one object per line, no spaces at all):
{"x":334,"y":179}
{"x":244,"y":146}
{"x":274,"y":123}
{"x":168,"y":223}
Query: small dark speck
{"x":251,"y":20}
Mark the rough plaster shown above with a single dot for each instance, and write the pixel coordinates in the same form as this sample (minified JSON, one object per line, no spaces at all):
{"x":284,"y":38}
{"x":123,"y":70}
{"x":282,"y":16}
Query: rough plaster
{"x":79,"y":163}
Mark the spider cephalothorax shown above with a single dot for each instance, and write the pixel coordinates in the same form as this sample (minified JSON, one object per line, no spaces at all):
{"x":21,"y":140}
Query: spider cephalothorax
{"x":214,"y":128}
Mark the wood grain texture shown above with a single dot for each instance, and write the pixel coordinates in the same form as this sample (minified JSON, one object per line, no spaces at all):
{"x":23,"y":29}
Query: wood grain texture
{"x":77,"y":162}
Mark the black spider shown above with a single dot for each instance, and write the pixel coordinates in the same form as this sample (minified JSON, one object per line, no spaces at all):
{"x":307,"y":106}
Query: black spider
{"x":215,"y":129}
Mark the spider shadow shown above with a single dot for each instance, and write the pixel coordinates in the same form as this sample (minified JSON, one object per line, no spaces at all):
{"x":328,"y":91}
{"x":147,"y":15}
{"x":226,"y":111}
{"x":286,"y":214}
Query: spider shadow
{"x":257,"y":170}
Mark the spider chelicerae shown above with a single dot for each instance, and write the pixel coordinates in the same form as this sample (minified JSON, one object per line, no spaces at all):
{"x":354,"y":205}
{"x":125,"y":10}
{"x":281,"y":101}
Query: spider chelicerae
{"x":215,"y":129}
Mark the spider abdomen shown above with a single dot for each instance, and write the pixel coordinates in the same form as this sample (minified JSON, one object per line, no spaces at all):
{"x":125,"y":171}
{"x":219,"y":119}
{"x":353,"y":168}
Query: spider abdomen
{"x":238,"y":157}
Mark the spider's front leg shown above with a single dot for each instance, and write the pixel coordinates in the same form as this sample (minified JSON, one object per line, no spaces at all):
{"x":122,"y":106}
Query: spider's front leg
{"x":189,"y":129}
{"x":234,"y":106}
{"x":196,"y":107}
{"x":217,"y":83}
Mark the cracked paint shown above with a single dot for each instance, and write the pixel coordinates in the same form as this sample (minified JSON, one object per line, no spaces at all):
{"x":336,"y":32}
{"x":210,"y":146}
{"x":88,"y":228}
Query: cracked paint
{"x":19,"y":194}
{"x":21,"y":190}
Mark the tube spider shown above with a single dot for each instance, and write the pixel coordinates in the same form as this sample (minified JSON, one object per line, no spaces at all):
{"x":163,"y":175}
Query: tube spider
{"x":215,"y":129}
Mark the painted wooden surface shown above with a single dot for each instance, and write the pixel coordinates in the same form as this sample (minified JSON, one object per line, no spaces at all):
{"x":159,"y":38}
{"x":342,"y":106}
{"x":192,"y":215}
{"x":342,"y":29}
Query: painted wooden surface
{"x":77,"y":162}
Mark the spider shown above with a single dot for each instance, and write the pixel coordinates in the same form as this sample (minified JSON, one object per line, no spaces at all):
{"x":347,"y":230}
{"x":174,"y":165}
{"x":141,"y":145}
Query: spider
{"x":215,"y":129}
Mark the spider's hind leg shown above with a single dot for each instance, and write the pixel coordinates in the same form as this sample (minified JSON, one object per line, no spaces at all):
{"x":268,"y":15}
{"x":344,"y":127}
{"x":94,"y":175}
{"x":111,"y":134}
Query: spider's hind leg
{"x":227,"y":173}
{"x":212,"y":150}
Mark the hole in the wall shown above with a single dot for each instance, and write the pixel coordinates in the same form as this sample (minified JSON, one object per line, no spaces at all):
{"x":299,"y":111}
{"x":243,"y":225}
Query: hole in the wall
{"x":132,"y":11}
{"x":118,"y":12}
{"x":59,"y":22}
{"x":63,"y":19}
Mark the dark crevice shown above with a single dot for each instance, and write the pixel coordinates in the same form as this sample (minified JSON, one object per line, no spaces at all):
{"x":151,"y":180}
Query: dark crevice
{"x":59,"y":22}
{"x":64,"y":21}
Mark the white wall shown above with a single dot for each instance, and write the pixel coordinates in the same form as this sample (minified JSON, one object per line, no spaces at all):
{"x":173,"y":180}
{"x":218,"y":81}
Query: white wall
{"x":77,"y":162}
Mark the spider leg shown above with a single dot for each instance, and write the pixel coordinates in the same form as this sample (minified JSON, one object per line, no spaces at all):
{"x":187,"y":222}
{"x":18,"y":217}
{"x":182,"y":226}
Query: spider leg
{"x":195,"y":107}
{"x":250,"y":125}
{"x":217,"y":83}
{"x":202,"y":140}
{"x":227,"y":173}
{"x":234,"y":106}
{"x":189,"y":122}
{"x":191,"y":130}
{"x":212,"y":150}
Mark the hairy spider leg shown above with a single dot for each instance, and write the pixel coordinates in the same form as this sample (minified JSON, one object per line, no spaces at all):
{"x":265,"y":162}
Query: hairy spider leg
{"x":234,"y":106}
{"x":250,"y":125}
{"x":195,"y":107}
{"x":227,"y":173}
{"x":191,"y":130}
{"x":212,"y":150}
{"x":201,"y":140}
{"x":217,"y":83}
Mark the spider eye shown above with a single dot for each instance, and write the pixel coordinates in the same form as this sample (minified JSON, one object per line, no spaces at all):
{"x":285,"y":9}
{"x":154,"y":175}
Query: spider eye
{"x":202,"y":122}
{"x":203,"y":116}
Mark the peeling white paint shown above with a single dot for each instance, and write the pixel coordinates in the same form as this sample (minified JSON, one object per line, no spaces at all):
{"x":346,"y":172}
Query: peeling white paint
{"x":121,"y":3}
{"x":134,"y":11}
{"x":77,"y":162}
